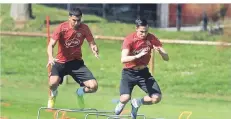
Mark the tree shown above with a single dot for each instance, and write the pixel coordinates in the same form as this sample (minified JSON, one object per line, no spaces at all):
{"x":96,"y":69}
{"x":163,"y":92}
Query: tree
{"x":178,"y":17}
{"x":204,"y":21}
{"x":21,"y":12}
{"x":104,"y":10}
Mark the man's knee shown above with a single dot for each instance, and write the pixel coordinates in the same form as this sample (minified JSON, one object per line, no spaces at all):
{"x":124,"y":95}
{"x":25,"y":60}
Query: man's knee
{"x":124,"y":98}
{"x":92,"y":84}
{"x":54,"y":81}
{"x":156,"y":98}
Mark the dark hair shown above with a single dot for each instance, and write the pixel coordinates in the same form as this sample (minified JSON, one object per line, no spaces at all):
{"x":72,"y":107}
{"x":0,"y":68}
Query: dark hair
{"x":141,"y":22}
{"x":75,"y":12}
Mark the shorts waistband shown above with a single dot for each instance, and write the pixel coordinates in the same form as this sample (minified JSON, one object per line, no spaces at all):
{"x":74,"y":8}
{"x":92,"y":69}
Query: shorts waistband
{"x":141,"y":67}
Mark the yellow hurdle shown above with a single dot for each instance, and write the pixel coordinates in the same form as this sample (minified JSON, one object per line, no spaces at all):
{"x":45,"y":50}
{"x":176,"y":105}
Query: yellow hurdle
{"x":189,"y":113}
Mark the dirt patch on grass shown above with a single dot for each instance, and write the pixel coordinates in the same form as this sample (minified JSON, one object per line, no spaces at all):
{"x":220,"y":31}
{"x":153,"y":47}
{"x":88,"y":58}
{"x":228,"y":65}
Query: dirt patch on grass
{"x":19,"y":24}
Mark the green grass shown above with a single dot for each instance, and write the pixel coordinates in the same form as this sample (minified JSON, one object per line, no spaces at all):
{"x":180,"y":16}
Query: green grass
{"x":100,"y":26}
{"x":197,"y":79}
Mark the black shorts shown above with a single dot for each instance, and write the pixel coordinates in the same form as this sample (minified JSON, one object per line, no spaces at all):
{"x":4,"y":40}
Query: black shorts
{"x":142,"y":78}
{"x":75,"y":68}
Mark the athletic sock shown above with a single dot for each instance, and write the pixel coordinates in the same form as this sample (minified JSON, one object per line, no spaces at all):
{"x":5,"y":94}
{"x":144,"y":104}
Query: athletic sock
{"x":80,"y":91}
{"x":53,"y":93}
{"x":119,"y":108}
{"x":140,"y":101}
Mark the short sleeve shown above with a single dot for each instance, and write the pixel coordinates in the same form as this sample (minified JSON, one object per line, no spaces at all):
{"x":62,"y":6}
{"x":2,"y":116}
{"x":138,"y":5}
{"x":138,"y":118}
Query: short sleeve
{"x":88,"y":34}
{"x":57,"y":33}
{"x":126,"y":44}
{"x":155,"y":41}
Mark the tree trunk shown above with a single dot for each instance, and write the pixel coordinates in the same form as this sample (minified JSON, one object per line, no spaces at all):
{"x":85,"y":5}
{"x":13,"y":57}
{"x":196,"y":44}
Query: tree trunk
{"x":178,"y":18}
{"x":138,"y":11}
{"x":104,"y":10}
{"x":30,"y":12}
{"x":205,"y":21}
{"x":20,"y":12}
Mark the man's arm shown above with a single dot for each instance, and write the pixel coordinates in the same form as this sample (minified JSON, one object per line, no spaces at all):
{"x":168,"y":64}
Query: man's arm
{"x":157,"y":45}
{"x":50,"y":47}
{"x":125,"y":58}
{"x":91,"y":42}
{"x":53,"y":40}
{"x":94,"y":48}
{"x":162,"y":52}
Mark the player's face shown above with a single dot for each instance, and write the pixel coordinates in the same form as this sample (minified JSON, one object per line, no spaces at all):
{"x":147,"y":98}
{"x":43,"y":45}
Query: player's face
{"x":142,"y":31}
{"x":75,"y":21}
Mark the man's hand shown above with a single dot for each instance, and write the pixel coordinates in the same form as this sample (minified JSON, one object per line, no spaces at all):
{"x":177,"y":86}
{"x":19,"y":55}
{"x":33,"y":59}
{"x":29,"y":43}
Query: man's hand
{"x":142,"y":53}
{"x":51,"y":61}
{"x":95,"y":51}
{"x":94,"y":48}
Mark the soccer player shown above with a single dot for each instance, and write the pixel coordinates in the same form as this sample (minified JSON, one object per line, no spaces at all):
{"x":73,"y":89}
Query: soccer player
{"x":70,"y":36}
{"x":135,"y":56}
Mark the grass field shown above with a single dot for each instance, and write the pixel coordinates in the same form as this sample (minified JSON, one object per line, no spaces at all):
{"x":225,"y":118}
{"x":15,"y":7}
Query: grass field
{"x":197,"y":79}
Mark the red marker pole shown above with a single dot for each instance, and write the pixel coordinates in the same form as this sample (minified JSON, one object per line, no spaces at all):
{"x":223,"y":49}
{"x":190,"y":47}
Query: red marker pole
{"x":48,"y":40}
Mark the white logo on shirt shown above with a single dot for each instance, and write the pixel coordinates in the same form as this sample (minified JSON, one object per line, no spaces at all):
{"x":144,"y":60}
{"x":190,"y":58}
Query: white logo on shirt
{"x":72,"y":42}
{"x":78,"y":34}
{"x":135,"y":52}
{"x":146,"y":46}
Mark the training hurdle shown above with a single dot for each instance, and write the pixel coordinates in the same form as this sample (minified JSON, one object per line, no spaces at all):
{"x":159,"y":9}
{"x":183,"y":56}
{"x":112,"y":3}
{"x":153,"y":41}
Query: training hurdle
{"x":189,"y":113}
{"x":64,"y":110}
{"x":113,"y":116}
{"x":43,"y":108}
{"x":58,"y":110}
{"x":89,"y":110}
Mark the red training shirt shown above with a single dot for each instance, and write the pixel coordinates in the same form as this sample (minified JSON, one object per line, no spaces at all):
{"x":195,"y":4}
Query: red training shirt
{"x":70,"y":41}
{"x":135,"y":46}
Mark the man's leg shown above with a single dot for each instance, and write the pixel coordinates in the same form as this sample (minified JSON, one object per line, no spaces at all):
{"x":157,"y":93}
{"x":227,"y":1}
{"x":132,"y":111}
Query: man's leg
{"x":124,"y":98}
{"x":82,"y":75}
{"x":57,"y":73}
{"x":90,"y":86}
{"x":151,"y":87}
{"x":126,"y":87}
{"x":53,"y":85}
{"x":146,"y":100}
